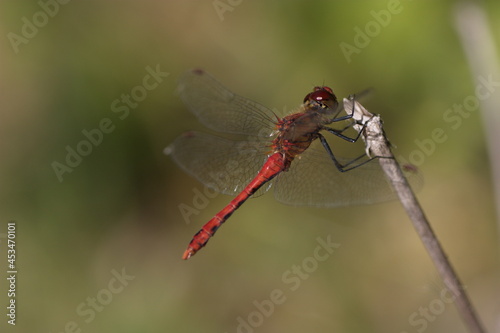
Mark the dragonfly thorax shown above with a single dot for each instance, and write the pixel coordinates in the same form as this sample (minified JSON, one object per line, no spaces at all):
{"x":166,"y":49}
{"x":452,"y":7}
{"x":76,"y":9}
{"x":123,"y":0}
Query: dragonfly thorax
{"x":296,"y":132}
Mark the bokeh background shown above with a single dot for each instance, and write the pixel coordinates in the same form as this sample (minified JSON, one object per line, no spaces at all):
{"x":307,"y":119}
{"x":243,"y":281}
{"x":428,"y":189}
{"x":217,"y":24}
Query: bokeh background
{"x":117,"y":211}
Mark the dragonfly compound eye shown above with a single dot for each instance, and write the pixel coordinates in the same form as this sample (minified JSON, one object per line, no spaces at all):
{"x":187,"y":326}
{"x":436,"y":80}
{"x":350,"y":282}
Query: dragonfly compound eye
{"x":323,"y":96}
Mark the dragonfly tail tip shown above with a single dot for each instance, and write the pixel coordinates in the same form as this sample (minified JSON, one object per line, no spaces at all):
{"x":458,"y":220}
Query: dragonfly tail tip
{"x":187,"y":254}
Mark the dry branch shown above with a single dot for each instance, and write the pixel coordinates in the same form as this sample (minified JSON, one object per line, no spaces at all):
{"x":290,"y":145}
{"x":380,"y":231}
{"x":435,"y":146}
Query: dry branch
{"x":377,"y":145}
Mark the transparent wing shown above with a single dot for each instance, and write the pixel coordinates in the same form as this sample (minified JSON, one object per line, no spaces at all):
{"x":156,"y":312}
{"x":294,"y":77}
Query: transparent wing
{"x":313,"y":180}
{"x":222,"y":164}
{"x":221,"y":110}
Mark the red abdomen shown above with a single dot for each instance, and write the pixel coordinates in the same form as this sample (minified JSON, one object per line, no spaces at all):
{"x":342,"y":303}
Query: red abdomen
{"x":275,"y":164}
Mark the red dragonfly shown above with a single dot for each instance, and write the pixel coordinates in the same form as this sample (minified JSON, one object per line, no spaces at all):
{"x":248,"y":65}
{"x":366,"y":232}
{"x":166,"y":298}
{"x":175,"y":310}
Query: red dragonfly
{"x":263,"y":150}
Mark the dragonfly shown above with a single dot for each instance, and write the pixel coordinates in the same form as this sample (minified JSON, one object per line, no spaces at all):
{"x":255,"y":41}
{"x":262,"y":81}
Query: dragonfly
{"x":254,"y":149}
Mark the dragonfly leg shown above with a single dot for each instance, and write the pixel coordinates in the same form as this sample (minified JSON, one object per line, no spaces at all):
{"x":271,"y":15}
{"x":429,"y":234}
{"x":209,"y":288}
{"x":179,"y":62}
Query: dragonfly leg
{"x":348,"y":166}
{"x":347,"y":116}
{"x":342,"y":136}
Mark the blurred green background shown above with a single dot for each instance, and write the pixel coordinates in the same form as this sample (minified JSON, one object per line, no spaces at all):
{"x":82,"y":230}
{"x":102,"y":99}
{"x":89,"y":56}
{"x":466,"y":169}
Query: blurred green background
{"x":117,"y":211}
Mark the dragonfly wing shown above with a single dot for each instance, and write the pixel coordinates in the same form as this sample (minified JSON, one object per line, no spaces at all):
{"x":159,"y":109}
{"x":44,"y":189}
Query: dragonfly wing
{"x":224,"y":165}
{"x":313,"y":180}
{"x":221,"y":110}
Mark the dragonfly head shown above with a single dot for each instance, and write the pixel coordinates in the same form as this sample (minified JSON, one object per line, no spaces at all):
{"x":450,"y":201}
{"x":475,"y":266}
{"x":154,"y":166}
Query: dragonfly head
{"x":322,"y":99}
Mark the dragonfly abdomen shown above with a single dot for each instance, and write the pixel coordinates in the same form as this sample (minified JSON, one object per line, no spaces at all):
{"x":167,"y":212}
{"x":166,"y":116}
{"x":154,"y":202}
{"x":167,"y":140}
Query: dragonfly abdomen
{"x":275,"y":164}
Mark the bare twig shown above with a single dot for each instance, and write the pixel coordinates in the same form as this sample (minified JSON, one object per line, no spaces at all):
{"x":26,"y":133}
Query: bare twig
{"x":378,"y":145}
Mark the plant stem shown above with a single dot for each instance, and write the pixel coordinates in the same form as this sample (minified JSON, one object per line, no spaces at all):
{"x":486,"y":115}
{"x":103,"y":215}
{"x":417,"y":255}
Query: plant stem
{"x":378,"y":145}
